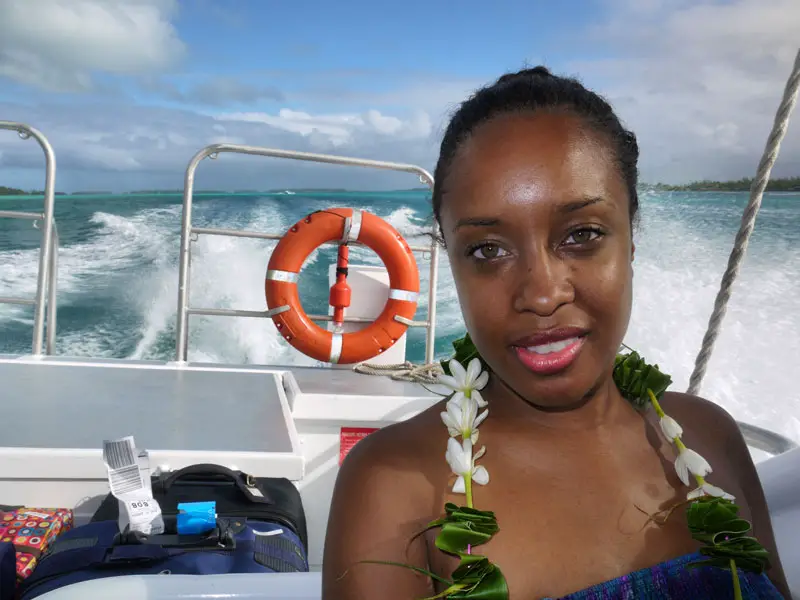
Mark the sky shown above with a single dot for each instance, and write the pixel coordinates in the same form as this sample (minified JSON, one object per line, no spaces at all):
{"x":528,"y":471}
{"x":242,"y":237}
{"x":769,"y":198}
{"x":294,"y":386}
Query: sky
{"x":128,"y":90}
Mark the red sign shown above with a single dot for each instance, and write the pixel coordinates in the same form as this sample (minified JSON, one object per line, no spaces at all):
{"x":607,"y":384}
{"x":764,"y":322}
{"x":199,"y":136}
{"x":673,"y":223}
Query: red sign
{"x":349,"y":437}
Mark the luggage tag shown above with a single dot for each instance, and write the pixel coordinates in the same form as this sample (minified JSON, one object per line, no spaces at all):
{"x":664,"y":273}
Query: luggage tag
{"x":129,"y":480}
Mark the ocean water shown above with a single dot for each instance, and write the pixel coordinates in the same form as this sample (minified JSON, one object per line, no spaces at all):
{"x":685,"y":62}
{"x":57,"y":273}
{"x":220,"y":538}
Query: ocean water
{"x":117,"y":285}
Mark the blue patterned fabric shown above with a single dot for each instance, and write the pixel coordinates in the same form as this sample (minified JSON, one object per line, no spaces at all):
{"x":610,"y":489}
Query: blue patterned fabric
{"x":671,"y":580}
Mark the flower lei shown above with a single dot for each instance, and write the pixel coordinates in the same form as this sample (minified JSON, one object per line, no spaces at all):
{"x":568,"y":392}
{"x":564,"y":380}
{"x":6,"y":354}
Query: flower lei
{"x":712,"y":516}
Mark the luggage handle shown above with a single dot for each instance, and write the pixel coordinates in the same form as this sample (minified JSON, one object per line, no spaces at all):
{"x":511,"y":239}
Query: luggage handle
{"x":246,"y":483}
{"x":219,"y":538}
{"x":201,"y":469}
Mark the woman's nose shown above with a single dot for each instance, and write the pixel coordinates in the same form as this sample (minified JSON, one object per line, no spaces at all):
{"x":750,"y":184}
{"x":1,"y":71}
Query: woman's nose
{"x":543,"y":284}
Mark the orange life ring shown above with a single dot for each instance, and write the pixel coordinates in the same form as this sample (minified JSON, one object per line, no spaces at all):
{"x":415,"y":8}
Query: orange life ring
{"x":283,"y":300}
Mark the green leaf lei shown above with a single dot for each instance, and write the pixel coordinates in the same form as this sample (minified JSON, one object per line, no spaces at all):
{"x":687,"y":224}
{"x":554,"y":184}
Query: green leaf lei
{"x":713,"y":519}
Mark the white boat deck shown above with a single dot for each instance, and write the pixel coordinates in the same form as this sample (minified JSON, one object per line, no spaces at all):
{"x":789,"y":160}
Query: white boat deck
{"x":173,"y":409}
{"x":267,"y":421}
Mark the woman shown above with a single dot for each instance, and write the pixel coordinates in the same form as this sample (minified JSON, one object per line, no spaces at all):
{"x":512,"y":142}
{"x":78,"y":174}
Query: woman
{"x":536,"y":197}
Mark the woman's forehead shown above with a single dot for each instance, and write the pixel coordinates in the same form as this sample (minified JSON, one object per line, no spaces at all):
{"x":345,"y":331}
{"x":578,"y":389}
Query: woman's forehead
{"x":521,"y":160}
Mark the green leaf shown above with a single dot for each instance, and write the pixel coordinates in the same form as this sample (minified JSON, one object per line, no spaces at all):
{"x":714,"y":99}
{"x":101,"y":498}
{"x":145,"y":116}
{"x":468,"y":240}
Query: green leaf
{"x":463,"y":527}
{"x":747,"y":553}
{"x":711,"y":521}
{"x":465,"y":351}
{"x":712,"y":515}
{"x":633,"y":376}
{"x":716,"y":523}
{"x":478,"y":579}
{"x":475,"y":578}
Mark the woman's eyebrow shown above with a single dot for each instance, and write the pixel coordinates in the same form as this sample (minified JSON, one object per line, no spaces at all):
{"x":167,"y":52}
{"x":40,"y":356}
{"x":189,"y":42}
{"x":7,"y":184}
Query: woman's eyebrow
{"x":580,"y":203}
{"x":567,"y":207}
{"x":476,"y":222}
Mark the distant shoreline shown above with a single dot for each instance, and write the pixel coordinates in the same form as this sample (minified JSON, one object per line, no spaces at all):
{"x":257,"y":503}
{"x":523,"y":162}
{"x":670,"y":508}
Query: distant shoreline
{"x":781,"y":184}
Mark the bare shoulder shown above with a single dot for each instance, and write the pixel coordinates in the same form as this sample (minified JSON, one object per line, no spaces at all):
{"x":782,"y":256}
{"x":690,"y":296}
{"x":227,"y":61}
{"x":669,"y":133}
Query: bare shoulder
{"x":700,"y":412}
{"x":713,"y":431}
{"x":382,"y":498}
{"x":707,"y":424}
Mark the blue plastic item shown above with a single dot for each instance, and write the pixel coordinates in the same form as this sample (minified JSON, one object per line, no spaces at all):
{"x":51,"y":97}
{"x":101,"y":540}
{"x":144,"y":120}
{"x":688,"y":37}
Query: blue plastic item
{"x":196,"y":517}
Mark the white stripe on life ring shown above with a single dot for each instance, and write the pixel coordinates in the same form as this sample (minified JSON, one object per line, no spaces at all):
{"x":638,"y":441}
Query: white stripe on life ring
{"x":336,"y":348}
{"x":352,"y":227}
{"x":285,"y":276}
{"x":403,"y":295}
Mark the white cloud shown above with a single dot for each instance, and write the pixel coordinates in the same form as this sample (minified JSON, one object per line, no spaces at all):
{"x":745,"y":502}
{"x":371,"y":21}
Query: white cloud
{"x":121,"y":147}
{"x":339,"y":129}
{"x":699,"y":82}
{"x":336,"y":127}
{"x":59,"y":44}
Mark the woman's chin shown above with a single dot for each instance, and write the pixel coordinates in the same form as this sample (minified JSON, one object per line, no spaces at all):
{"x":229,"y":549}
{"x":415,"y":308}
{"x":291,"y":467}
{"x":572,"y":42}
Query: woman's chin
{"x":560,"y":390}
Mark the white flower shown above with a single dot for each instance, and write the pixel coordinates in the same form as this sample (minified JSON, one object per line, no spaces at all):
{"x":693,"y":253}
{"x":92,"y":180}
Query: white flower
{"x":706,"y":489}
{"x":462,"y":463}
{"x":468,"y":381}
{"x":689,"y":461}
{"x":670,"y":428}
{"x":476,"y":395}
{"x":462,"y":417}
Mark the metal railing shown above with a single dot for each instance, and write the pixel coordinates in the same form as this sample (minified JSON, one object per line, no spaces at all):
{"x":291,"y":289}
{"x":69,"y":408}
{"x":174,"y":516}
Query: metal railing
{"x":45,"y":298}
{"x":188,"y":231}
{"x":764,"y":439}
{"x":45,"y":301}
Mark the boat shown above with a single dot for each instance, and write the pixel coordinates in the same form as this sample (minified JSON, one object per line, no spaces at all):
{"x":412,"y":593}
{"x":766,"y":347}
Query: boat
{"x":282,"y":421}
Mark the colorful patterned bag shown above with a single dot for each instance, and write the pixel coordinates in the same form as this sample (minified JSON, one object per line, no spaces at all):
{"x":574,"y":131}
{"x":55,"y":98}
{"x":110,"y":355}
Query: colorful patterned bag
{"x":32,"y":531}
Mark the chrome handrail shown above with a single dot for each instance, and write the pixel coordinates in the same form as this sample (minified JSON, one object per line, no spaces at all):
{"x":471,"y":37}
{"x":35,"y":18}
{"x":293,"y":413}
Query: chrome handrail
{"x":52,"y":295}
{"x":213,"y":151}
{"x":46,"y":277}
{"x":766,"y":440}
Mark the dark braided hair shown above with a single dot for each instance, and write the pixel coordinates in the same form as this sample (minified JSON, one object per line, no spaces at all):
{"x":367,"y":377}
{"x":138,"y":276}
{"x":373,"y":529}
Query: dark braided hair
{"x":533,"y":90}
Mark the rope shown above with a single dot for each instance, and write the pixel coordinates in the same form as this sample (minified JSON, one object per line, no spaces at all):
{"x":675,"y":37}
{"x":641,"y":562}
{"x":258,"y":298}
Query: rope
{"x":748,"y":223}
{"x":406,"y":371}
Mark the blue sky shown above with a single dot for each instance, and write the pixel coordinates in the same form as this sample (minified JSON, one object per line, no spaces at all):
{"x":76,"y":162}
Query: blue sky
{"x":307,"y":54}
{"x":128,"y":91}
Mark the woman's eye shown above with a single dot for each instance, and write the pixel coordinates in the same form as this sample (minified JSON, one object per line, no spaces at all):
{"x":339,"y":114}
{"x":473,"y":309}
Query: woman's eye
{"x":583,"y":236}
{"x":488,"y":252}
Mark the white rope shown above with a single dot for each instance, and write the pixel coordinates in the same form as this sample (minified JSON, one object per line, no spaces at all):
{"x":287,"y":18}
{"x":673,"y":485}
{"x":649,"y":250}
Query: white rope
{"x":748,"y":223}
{"x":406,"y":371}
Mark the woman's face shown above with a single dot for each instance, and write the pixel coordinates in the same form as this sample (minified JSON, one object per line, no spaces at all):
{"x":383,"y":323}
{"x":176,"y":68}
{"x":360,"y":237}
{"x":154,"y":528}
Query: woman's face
{"x":535,"y":217}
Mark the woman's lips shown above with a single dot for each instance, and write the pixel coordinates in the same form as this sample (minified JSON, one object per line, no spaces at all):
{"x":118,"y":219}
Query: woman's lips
{"x":552,"y":355}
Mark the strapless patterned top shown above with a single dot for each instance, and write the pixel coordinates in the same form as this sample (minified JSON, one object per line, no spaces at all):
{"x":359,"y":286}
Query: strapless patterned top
{"x":671,"y":580}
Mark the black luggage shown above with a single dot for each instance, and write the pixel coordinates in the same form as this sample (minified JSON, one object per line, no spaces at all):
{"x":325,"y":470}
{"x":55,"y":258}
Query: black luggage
{"x":236,"y":494}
